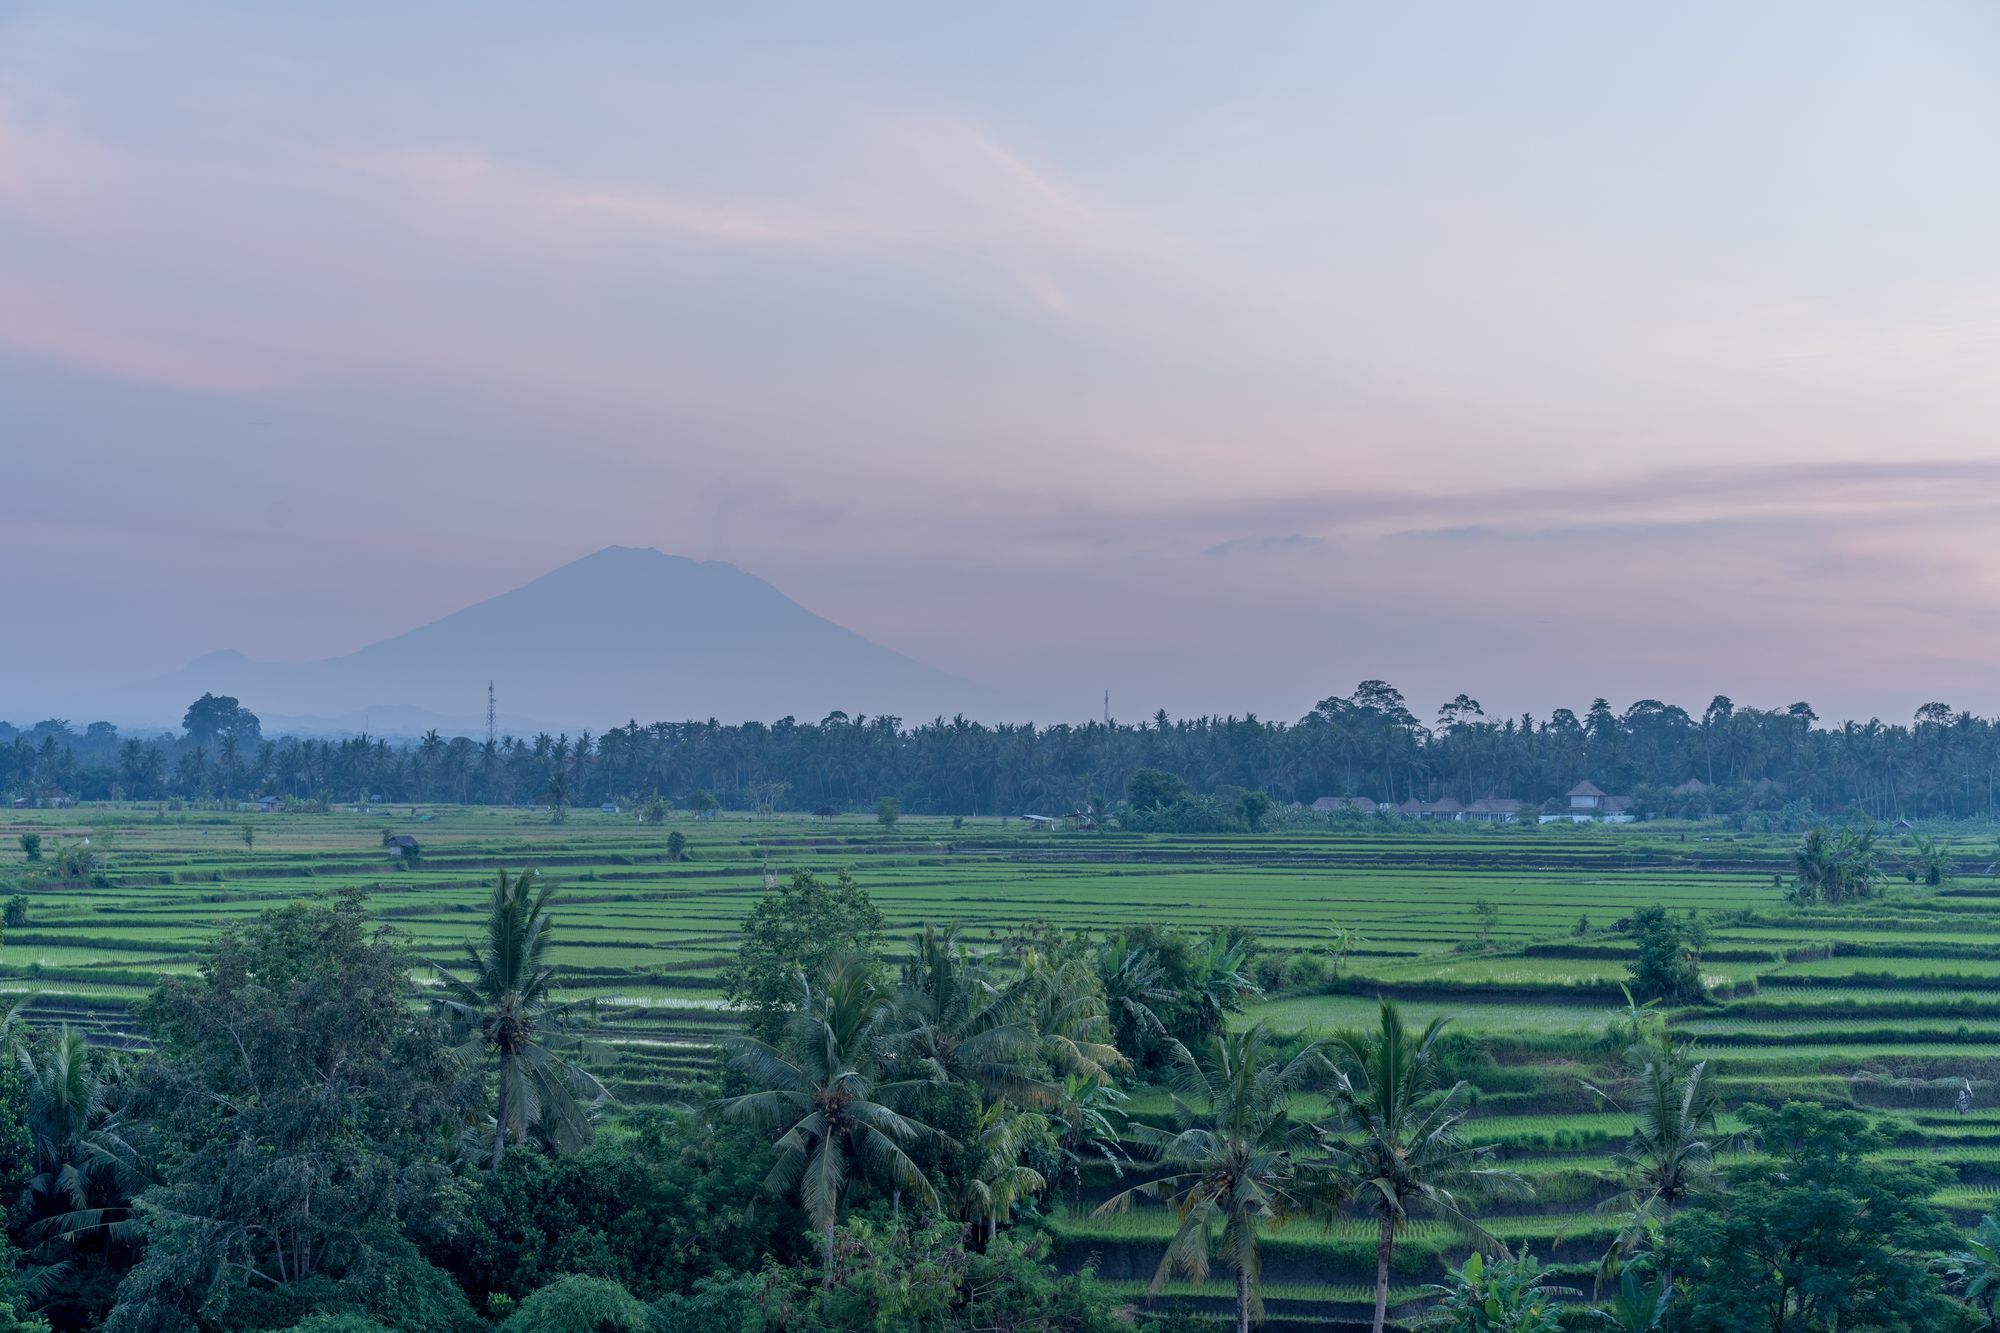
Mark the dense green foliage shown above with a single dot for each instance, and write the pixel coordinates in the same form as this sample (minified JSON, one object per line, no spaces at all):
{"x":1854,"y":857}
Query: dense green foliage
{"x":1666,"y":962}
{"x":800,"y":928}
{"x":1815,"y":1235}
{"x":295,"y":1104}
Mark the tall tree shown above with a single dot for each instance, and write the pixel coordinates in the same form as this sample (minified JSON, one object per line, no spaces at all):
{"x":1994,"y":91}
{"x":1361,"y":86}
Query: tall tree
{"x":503,"y":1007}
{"x":294,"y":1101}
{"x":1405,"y":1152}
{"x":1670,"y":1156}
{"x":999,"y":1178}
{"x":802,"y":925}
{"x":825,"y":1090}
{"x":1241,"y":1160}
{"x":1816,"y":1233}
{"x":957,"y":1025}
{"x":85,"y":1168}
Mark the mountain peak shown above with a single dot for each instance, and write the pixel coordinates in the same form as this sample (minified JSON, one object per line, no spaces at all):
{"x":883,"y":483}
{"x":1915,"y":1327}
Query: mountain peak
{"x":643,"y":558}
{"x":626,"y":632}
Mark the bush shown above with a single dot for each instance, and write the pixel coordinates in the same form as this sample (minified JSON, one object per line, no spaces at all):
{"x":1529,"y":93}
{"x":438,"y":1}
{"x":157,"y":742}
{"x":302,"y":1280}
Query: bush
{"x":1667,"y":966}
{"x":656,"y":1210}
{"x":922,"y":1276}
{"x":1306,"y":971}
{"x":579,"y":1304}
{"x":719,"y":1304}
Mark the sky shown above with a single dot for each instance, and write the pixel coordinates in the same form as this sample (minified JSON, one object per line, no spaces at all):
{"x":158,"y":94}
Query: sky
{"x":1220,"y":357}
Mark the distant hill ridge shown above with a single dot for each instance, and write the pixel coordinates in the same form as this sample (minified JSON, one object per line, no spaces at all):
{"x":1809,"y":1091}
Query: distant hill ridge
{"x":624,"y":633}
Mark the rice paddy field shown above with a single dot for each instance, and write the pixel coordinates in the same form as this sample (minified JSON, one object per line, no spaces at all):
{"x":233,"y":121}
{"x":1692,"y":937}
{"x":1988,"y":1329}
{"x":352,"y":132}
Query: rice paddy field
{"x":1890,"y":1005}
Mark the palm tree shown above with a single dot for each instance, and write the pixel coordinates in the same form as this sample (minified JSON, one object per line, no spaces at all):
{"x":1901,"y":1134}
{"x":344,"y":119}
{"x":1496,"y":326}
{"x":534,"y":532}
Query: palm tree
{"x":825,"y":1090}
{"x":504,"y":1006}
{"x":1671,"y":1154}
{"x":85,"y":1170}
{"x":999,"y":1176}
{"x":1388,"y":1086}
{"x":1134,"y":989}
{"x":1245,"y":1162}
{"x":1220,"y":979}
{"x":1814,"y":869}
{"x":959,"y":1027}
{"x":1082,"y":1118}
{"x":1066,"y":1007}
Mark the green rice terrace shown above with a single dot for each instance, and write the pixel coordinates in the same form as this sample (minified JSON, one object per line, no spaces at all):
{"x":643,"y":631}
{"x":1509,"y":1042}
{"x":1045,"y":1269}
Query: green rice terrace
{"x":1892,"y":1004}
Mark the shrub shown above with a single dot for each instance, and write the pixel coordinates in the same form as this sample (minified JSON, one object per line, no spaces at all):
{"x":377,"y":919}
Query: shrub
{"x":1667,"y":965}
{"x":1306,"y":971}
{"x":579,"y":1304}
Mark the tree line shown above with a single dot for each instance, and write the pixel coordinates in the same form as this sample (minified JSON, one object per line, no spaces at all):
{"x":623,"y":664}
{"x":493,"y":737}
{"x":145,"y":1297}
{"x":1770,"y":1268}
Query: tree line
{"x":1942,"y":763}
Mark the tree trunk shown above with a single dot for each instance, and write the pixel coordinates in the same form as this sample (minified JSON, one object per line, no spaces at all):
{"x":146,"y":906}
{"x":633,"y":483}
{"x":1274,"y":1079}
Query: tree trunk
{"x":502,"y":1110}
{"x":1385,"y":1247}
{"x":827,"y":1279}
{"x":1242,"y":1300}
{"x":1666,"y":1255}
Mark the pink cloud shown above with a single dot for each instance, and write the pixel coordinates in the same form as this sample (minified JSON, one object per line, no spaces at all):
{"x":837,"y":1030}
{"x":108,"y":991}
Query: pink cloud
{"x":43,"y":321}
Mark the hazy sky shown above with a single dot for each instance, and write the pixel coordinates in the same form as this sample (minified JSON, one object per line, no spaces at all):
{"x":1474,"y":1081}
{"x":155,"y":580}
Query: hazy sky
{"x":1222,"y":356}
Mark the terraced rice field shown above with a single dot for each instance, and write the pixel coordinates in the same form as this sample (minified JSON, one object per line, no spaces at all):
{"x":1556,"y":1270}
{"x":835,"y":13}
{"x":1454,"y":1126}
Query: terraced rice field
{"x":1890,"y":1005}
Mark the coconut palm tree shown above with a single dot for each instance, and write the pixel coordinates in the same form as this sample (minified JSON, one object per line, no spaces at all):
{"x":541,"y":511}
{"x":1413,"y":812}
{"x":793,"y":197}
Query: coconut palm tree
{"x":999,"y":1177}
{"x":1243,"y":1161}
{"x":958,"y":1026}
{"x":1406,"y":1153}
{"x":1671,"y":1154}
{"x":1135,"y":989}
{"x":503,"y":1006}
{"x":1067,"y":1010}
{"x":826,"y":1089}
{"x":1082,"y":1118}
{"x":85,"y":1171}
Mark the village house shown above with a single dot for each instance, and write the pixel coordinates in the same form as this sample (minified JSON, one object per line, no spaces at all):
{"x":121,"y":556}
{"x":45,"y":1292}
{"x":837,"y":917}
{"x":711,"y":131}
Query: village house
{"x":1333,"y":805}
{"x":1487,"y":809}
{"x":1591,"y":804}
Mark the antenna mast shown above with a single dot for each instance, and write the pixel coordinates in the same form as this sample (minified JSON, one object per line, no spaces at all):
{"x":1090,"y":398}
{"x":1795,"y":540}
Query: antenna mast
{"x":1107,"y":710}
{"x":490,"y":713}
